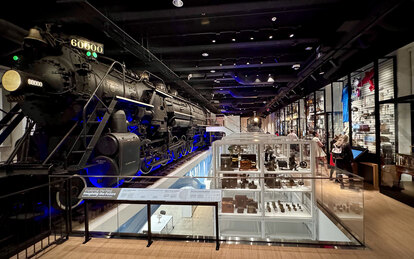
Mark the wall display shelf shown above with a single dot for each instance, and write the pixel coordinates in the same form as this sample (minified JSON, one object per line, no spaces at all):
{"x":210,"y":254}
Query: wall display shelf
{"x":363,"y":108}
{"x":281,"y":190}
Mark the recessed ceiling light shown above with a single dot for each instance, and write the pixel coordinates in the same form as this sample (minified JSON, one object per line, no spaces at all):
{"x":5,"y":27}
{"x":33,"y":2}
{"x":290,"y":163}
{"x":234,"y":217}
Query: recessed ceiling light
{"x":271,"y":37}
{"x":291,"y":35}
{"x":321,"y":73}
{"x":213,"y":71}
{"x":233,"y":39}
{"x":248,"y":63}
{"x":234,"y":64}
{"x":308,"y":48}
{"x":221,"y":89}
{"x":178,"y":3}
{"x":261,"y":62}
{"x":205,"y":54}
{"x":257,"y":75}
{"x":274,"y":18}
{"x":245,"y":75}
{"x":214,"y":41}
{"x":296,"y":66}
{"x":251,"y":38}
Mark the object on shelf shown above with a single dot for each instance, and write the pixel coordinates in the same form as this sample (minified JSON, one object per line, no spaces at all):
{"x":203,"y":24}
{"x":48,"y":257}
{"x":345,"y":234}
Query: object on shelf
{"x":241,"y":201}
{"x":282,"y":164}
{"x":230,"y":183}
{"x":251,"y":209}
{"x":228,"y":162}
{"x":292,"y":162}
{"x":303,"y":164}
{"x":227,"y":205}
{"x":248,"y":162}
{"x":240,"y":210}
{"x":252,"y":185}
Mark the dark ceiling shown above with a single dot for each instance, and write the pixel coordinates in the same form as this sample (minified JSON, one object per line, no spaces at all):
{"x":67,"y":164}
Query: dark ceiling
{"x":252,"y":46}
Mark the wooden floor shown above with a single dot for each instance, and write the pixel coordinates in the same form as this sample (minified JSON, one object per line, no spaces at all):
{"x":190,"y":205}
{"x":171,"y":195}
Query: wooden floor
{"x":389,"y":230}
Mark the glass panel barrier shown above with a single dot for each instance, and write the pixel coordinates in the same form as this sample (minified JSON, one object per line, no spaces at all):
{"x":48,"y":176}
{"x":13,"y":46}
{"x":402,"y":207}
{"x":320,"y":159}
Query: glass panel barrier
{"x":280,"y":207}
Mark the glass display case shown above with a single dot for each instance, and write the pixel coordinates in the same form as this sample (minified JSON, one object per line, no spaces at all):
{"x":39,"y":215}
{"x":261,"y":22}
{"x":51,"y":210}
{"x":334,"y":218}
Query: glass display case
{"x":266,"y":183}
{"x":387,"y":110}
{"x":320,"y":116}
{"x":310,"y":113}
{"x":363,"y":108}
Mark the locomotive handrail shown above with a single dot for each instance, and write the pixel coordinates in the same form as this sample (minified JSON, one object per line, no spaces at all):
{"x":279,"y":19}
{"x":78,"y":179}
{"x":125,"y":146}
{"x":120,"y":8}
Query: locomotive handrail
{"x":59,"y":144}
{"x":96,"y":90}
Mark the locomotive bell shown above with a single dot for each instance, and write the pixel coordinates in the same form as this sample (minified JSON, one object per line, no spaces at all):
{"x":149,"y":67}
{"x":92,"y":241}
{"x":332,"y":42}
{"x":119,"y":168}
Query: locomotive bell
{"x":34,"y":34}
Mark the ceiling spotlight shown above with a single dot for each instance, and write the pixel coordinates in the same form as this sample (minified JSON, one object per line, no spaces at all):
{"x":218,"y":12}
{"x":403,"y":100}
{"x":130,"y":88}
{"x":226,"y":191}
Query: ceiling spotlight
{"x":270,"y":37}
{"x":234,"y":64}
{"x":212,"y":71}
{"x":308,"y":48}
{"x":274,"y":18}
{"x":221,"y":64}
{"x":296,"y":66}
{"x":233,"y":39}
{"x":216,"y":81}
{"x":178,"y":3}
{"x":205,"y":54}
{"x":221,"y":89}
{"x":291,"y":35}
{"x":214,"y":41}
{"x":321,"y":73}
{"x":248,"y":63}
{"x":261,"y":62}
{"x":257,"y":75}
{"x":251,"y":38}
{"x":245,"y":75}
{"x":270,"y":79}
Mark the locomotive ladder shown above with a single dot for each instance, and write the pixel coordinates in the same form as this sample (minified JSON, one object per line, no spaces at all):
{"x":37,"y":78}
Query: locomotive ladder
{"x":89,"y":134}
{"x":10,"y":121}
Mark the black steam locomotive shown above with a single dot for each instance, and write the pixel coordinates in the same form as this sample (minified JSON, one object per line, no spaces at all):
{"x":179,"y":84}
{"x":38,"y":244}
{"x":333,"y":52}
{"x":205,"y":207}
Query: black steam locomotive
{"x":86,"y":116}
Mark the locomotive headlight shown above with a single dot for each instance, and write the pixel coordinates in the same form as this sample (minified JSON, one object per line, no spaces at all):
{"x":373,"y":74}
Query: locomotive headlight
{"x":256,"y":119}
{"x":11,"y":80}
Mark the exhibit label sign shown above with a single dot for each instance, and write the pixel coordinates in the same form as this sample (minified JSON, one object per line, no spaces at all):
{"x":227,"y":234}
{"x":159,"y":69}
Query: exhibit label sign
{"x":136,"y":194}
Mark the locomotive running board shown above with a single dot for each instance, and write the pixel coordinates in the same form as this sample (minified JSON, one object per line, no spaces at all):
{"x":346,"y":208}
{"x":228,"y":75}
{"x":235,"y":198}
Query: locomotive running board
{"x":134,"y":102}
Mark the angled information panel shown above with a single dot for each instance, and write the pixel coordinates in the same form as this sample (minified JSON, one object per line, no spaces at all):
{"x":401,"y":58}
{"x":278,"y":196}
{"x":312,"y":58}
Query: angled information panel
{"x":136,"y":194}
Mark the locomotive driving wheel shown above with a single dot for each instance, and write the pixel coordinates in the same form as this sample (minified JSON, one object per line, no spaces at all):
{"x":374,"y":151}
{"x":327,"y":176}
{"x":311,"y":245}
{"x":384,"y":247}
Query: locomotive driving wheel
{"x":77,"y":183}
{"x":147,"y":158}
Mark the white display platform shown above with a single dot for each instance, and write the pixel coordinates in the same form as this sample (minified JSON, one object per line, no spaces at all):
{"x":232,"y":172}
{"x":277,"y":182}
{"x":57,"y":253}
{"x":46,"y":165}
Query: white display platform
{"x":164,"y":225}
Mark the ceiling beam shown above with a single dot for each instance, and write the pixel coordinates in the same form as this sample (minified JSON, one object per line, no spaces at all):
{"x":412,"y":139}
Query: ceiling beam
{"x":90,"y":15}
{"x":237,"y":45}
{"x":220,"y":10}
{"x":277,"y":78}
{"x":233,"y":67}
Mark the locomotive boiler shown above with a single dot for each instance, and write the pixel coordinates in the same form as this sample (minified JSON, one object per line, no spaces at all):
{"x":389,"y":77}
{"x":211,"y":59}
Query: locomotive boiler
{"x":90,"y":115}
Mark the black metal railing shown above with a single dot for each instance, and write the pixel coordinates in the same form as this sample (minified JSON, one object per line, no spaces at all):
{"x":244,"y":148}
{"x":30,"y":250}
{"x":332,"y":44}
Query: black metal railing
{"x":30,"y":221}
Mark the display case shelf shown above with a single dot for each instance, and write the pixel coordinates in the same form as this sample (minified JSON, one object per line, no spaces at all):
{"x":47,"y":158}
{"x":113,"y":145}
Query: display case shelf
{"x":238,"y":172}
{"x":306,"y":171}
{"x":287,"y":189}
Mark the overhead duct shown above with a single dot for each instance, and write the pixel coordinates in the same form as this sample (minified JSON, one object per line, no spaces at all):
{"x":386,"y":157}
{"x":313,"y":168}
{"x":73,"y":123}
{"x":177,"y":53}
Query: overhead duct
{"x":243,"y":94}
{"x":12,"y":32}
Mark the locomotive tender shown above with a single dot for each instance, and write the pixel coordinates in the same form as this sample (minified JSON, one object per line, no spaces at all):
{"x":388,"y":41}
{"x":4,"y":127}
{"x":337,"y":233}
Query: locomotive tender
{"x":88,"y":117}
